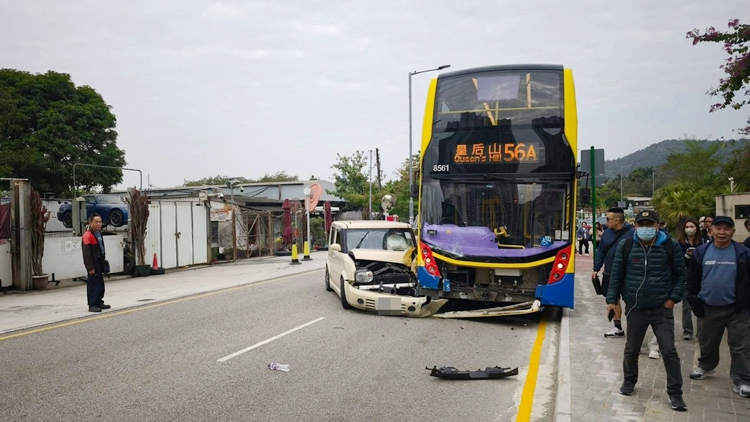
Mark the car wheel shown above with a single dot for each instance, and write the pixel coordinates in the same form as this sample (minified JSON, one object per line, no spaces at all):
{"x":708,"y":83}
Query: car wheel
{"x":116,"y":218}
{"x":67,"y":219}
{"x":344,"y":302}
{"x":328,"y":281}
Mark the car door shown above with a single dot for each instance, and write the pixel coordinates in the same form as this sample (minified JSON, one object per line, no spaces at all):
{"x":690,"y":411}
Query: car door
{"x":91,"y":206}
{"x":335,"y":263}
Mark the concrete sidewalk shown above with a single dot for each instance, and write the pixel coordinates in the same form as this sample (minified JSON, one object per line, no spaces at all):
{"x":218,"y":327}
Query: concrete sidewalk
{"x":596,"y":371}
{"x":23,"y":310}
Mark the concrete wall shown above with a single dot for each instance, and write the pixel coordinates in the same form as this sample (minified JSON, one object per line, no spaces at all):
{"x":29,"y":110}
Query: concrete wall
{"x":6,"y":272}
{"x":63,"y":256}
{"x":725,"y":205}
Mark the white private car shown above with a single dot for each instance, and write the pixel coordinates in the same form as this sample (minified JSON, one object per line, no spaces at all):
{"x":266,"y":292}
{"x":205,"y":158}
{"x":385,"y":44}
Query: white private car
{"x":370,"y":266}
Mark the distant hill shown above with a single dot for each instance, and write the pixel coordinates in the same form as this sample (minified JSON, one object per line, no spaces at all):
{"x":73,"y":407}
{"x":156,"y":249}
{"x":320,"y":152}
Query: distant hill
{"x":655,"y":155}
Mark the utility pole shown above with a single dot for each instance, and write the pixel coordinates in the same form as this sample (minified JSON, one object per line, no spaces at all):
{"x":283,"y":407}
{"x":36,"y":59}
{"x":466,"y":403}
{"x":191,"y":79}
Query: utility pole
{"x":377,"y":165}
{"x":230,"y":185}
{"x":595,"y":215}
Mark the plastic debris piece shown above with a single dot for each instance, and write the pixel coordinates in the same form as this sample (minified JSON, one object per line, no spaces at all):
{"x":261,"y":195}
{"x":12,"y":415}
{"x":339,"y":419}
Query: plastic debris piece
{"x":278,"y":366}
{"x":449,"y":372}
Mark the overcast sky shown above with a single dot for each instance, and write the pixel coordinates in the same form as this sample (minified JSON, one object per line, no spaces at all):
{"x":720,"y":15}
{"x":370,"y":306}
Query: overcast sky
{"x":244,"y":88}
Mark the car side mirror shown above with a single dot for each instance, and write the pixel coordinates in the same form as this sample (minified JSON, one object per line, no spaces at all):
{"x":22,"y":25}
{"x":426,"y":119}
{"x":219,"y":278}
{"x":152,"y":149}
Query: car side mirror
{"x":414,"y":191}
{"x":335,"y":247}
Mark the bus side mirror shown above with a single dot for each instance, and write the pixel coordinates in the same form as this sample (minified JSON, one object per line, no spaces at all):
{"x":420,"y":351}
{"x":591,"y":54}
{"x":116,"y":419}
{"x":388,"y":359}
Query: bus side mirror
{"x":585,"y":195}
{"x":414,"y":191}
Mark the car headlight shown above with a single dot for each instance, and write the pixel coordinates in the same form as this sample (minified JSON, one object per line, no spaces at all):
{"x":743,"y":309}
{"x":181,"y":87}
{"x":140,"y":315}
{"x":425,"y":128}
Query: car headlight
{"x":363,"y":276}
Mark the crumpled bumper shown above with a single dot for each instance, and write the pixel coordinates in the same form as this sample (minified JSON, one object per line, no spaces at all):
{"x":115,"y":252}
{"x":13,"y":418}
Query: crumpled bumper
{"x":390,"y":304}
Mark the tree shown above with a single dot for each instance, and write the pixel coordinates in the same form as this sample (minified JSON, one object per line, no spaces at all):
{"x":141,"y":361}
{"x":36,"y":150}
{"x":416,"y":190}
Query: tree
{"x":279,"y":176}
{"x":677,"y":201}
{"x":207,"y":181}
{"x":47,"y":125}
{"x":737,"y":167}
{"x":697,"y":166}
{"x":737,"y":66}
{"x":399,"y":189}
{"x":350,"y":180}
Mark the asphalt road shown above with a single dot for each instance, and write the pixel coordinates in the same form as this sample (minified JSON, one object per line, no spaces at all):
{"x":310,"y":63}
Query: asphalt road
{"x":173,"y":361}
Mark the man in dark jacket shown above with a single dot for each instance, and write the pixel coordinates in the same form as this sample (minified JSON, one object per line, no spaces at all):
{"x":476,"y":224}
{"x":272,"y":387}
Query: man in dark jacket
{"x":650,"y":277}
{"x":617,"y":229}
{"x":94,"y":258}
{"x":718,"y":289}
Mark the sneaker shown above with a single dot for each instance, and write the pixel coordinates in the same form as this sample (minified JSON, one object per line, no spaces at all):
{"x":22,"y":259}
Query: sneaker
{"x":615,"y":332}
{"x":677,"y":402}
{"x":627,"y":388}
{"x":95,"y":309}
{"x":700,"y":373}
{"x":105,"y":306}
{"x":742,"y":390}
{"x":687,"y":337}
{"x":587,"y":254}
{"x":654,"y":354}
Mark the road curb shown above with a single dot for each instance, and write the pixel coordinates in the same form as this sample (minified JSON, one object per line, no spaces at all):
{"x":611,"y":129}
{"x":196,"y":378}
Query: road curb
{"x":563,"y":403}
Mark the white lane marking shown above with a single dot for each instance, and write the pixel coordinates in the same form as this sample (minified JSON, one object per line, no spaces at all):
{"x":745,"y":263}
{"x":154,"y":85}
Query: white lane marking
{"x":276,"y":337}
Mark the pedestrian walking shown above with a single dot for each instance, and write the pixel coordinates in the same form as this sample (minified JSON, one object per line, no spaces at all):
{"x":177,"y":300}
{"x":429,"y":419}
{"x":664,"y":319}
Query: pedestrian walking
{"x":719,"y":291}
{"x":690,"y":238}
{"x":94,"y":258}
{"x":617,"y":230}
{"x":596,"y":231}
{"x":650,"y":277}
{"x":706,"y":229}
{"x":582,"y":234}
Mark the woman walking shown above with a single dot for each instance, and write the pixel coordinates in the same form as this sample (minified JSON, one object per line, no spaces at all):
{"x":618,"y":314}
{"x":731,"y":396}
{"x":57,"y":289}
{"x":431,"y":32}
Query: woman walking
{"x":690,"y":238}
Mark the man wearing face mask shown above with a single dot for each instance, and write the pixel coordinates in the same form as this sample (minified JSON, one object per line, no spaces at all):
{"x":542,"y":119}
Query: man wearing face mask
{"x":649,"y":273}
{"x":719,"y":291}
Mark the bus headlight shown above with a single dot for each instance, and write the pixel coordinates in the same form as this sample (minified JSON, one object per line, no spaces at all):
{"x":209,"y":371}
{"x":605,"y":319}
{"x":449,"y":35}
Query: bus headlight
{"x":363,"y":276}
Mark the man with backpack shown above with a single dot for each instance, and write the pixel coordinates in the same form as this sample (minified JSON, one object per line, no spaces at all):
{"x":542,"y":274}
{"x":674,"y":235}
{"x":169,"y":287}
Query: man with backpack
{"x":617,"y":229}
{"x":650,"y":277}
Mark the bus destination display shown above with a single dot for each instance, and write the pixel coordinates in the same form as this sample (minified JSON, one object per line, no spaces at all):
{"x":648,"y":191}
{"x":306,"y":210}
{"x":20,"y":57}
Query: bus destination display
{"x":496,"y":153}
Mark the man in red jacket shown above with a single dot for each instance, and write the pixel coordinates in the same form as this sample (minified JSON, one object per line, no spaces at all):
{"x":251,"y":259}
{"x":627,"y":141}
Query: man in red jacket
{"x":96,"y":265}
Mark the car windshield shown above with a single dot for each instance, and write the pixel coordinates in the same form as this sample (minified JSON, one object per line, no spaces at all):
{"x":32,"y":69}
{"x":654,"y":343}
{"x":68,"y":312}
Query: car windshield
{"x":108,"y":199}
{"x":393,"y":239}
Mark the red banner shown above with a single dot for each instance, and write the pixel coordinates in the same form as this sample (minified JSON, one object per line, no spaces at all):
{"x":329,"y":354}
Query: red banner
{"x":5,"y":221}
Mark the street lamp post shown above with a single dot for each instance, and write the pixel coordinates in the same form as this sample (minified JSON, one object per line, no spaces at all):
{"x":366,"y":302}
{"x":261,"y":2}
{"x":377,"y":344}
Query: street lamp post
{"x":731,"y":185}
{"x":370,"y":182}
{"x":411,"y":181}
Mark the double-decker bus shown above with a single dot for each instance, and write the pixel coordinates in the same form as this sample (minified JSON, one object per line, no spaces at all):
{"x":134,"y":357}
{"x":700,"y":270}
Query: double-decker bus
{"x":497,"y":186}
